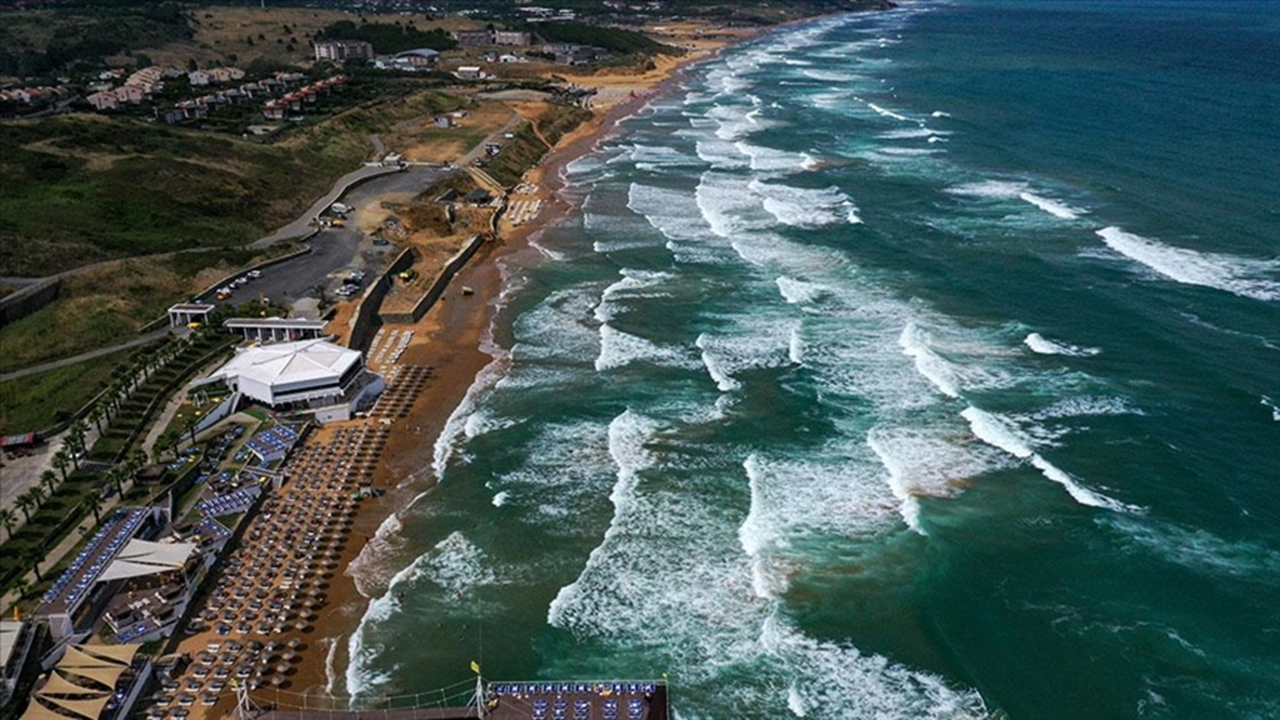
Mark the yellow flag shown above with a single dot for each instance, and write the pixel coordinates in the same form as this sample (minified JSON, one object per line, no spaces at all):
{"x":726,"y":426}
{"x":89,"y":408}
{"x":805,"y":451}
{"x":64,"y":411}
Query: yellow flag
{"x":475,"y":667}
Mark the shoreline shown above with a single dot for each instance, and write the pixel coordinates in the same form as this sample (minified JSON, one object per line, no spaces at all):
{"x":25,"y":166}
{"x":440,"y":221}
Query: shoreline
{"x":455,"y":336}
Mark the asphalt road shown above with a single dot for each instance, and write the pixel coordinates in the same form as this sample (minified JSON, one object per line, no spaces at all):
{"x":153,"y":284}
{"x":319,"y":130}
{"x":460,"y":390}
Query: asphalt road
{"x":336,"y":252}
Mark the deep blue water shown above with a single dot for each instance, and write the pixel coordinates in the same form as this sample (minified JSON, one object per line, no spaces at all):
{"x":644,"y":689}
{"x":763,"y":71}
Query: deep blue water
{"x":911,"y":364}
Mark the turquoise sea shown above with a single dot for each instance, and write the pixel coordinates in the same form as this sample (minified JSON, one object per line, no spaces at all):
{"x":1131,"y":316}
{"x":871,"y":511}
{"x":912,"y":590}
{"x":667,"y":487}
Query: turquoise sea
{"x":922,"y":363}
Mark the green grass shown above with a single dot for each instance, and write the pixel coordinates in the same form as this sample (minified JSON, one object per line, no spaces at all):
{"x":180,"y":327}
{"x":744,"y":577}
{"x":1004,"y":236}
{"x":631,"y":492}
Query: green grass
{"x":37,"y":401}
{"x":80,"y":189}
{"x":96,"y":309}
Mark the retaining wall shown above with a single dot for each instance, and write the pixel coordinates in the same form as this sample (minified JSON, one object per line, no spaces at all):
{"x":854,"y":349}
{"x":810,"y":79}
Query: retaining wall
{"x":29,"y":299}
{"x":429,"y":299}
{"x":367,"y":319}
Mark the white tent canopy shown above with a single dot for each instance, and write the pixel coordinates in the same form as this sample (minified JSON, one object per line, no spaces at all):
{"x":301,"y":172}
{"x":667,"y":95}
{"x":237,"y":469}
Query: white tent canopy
{"x":142,"y":557}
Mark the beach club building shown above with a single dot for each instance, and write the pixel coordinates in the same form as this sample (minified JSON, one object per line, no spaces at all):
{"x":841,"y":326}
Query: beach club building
{"x":309,"y":376}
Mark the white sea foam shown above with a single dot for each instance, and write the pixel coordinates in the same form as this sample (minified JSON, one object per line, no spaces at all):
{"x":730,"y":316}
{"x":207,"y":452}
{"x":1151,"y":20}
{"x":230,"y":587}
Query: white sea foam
{"x":806,"y":207}
{"x":724,"y":382}
{"x":915,"y":344}
{"x":888,"y":113}
{"x":841,"y":681}
{"x":1002,"y":434}
{"x":1084,"y":406}
{"x":629,"y":432}
{"x":798,"y":291}
{"x":842,"y":78}
{"x":1009,"y":190}
{"x":1199,"y":549}
{"x":635,"y":284}
{"x":455,"y":428}
{"x":733,"y":122}
{"x":924,"y":463}
{"x":721,"y":154}
{"x":1044,"y":346}
{"x":835,"y":100}
{"x":940,"y":114}
{"x":727,"y":204}
{"x":1246,"y":277}
{"x":658,"y":156}
{"x":911,"y":133}
{"x":1053,"y":207}
{"x":1275,"y":409}
{"x":501,"y":498}
{"x":795,"y":347}
{"x":618,"y":349}
{"x":903,"y":152}
{"x":756,"y":534}
{"x":795,"y":703}
{"x":771,"y":160}
{"x":361,"y":678}
{"x":672,"y":213}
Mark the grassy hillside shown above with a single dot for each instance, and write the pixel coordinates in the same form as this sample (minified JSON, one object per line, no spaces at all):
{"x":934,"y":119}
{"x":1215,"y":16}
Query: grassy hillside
{"x":85,"y":188}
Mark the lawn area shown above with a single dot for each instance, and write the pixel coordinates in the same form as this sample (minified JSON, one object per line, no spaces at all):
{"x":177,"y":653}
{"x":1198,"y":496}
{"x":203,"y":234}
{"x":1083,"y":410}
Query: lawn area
{"x":34,"y":402}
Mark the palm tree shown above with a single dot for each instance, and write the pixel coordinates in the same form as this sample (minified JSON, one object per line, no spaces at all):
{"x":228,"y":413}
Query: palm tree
{"x":189,"y":426}
{"x":96,"y":416}
{"x":26,"y":503}
{"x":76,"y":432}
{"x":60,"y":462}
{"x":117,"y":474}
{"x":95,"y":502}
{"x":49,"y":477}
{"x":37,"y":492}
{"x":8,"y":519}
{"x":20,"y":587}
{"x":33,"y":556}
{"x":115,"y":393}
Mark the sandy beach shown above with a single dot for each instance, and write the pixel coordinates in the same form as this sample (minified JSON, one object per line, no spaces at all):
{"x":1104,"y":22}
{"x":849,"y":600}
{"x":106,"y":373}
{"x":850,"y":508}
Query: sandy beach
{"x":449,"y":340}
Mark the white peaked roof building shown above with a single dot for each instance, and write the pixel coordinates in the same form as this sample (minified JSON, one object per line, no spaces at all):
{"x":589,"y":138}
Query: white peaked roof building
{"x":292,"y":372}
{"x":307,"y":375}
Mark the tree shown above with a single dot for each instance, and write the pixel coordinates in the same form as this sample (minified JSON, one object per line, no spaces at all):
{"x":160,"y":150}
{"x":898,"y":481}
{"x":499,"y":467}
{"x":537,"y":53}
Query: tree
{"x":168,"y":440}
{"x":20,"y":587}
{"x":137,"y":460}
{"x":37,"y":492}
{"x":26,"y":503}
{"x":117,"y":475}
{"x":8,"y":519}
{"x":49,"y":477}
{"x":96,"y":416}
{"x":33,"y":557}
{"x":60,"y":462}
{"x":93,"y":500}
{"x":192,"y":65}
{"x":76,"y":438}
{"x":189,"y":427}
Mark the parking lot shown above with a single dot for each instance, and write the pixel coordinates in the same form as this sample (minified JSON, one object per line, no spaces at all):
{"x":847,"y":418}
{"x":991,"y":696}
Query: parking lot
{"x":336,"y":252}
